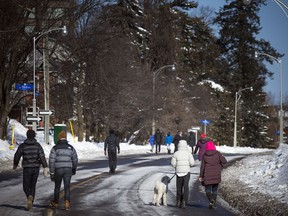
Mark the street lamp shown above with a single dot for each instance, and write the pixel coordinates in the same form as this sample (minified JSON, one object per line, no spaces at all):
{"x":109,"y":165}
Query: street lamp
{"x":155,"y":73}
{"x":281,"y":92}
{"x":64,"y":29}
{"x":280,"y":3}
{"x":237,"y":98}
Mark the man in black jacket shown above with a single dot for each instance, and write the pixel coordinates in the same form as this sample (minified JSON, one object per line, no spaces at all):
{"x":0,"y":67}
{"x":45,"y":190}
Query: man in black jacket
{"x":33,"y":156}
{"x":63,"y":161}
{"x":112,"y":145}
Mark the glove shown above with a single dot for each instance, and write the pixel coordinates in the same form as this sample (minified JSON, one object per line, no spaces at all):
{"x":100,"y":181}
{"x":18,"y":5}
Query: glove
{"x":45,"y":172}
{"x":52,"y":177}
{"x":73,"y":171}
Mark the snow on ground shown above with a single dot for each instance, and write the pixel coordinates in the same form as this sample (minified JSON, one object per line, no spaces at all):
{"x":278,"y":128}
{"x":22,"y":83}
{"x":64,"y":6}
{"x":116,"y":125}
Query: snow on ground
{"x":264,"y":173}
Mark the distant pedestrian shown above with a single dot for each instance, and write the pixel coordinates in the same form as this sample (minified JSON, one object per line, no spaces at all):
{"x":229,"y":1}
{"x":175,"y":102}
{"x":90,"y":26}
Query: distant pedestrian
{"x":168,"y":141}
{"x":201,"y":145}
{"x":191,"y":140}
{"x":182,"y":160}
{"x":63,"y":161}
{"x":151,"y":141}
{"x":111,"y":146}
{"x":32,"y":158}
{"x":158,"y":140}
{"x":210,"y":172}
{"x":176,"y":140}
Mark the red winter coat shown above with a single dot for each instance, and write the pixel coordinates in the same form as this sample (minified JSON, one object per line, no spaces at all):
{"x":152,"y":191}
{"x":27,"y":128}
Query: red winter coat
{"x":211,"y":167}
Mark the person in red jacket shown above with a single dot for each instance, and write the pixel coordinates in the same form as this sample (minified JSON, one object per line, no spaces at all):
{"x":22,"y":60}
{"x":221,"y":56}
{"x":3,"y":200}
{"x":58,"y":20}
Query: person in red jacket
{"x":201,"y":145}
{"x":210,"y":172}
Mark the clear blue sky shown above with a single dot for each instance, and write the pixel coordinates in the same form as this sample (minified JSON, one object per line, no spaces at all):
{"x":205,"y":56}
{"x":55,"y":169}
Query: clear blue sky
{"x":274,"y":25}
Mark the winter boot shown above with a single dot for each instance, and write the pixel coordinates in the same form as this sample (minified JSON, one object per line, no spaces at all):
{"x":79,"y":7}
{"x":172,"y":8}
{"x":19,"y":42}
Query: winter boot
{"x":214,"y":197}
{"x":67,"y":205}
{"x":30,"y":202}
{"x":178,"y":204}
{"x":211,"y":202}
{"x":184,"y":206}
{"x":54,"y":204}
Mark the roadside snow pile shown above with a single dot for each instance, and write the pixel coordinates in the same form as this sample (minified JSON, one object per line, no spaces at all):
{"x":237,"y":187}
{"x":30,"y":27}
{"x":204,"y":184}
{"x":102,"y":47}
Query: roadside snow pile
{"x":254,"y":185}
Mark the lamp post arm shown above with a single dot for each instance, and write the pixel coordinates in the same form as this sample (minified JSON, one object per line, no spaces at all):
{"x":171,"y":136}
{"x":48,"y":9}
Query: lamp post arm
{"x":282,"y":6}
{"x":50,"y":30}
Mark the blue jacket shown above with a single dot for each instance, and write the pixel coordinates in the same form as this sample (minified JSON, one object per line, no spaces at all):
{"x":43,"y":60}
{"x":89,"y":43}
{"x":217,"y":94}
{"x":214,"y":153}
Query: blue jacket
{"x":169,"y":139}
{"x":151,"y":140}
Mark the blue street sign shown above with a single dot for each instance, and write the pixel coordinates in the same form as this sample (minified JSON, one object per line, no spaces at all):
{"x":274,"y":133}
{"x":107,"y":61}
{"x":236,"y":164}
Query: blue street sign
{"x":205,"y":121}
{"x":24,"y":87}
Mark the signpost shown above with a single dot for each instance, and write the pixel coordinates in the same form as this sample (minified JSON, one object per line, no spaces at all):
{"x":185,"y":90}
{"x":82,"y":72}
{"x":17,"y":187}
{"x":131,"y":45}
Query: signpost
{"x":33,"y":118}
{"x":205,"y":122}
{"x":24,"y":87}
{"x":46,"y":112}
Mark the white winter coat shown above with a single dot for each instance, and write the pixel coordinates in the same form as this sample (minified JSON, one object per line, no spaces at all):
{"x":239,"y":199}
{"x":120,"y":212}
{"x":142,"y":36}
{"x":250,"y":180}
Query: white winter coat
{"x":182,"y":159}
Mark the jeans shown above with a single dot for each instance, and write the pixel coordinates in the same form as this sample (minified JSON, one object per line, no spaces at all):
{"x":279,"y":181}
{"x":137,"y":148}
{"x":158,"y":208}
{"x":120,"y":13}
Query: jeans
{"x":30,"y":176}
{"x":182,"y":187}
{"x":64,"y":173}
{"x":213,"y":189}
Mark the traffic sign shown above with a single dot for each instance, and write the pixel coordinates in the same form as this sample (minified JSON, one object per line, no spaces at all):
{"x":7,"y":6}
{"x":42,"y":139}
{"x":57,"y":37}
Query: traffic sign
{"x":46,"y":112}
{"x":33,"y":118}
{"x":205,"y":121}
{"x":24,"y":87}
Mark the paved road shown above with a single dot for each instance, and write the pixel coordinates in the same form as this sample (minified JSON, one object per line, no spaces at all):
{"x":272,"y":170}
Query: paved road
{"x":96,"y":192}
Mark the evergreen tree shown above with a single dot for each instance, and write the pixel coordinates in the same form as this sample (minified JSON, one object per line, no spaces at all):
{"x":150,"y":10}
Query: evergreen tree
{"x":239,"y":26}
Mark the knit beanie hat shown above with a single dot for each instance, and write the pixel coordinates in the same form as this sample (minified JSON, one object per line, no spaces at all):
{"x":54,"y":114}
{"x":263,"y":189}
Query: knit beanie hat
{"x":31,"y":134}
{"x":210,"y":146}
{"x":203,"y":135}
{"x":62,"y":135}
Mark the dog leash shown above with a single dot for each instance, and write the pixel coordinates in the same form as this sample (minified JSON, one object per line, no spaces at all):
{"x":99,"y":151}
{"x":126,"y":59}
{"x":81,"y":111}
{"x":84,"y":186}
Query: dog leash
{"x":172,"y":177}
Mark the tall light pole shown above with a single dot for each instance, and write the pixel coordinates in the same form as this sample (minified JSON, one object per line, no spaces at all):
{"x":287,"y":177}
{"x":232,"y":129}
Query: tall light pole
{"x":155,"y":73}
{"x":64,"y":29}
{"x":280,"y":3}
{"x":237,"y":98}
{"x":281,"y":113}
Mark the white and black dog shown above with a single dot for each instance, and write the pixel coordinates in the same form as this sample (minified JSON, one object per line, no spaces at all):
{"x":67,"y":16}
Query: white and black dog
{"x":160,"y":191}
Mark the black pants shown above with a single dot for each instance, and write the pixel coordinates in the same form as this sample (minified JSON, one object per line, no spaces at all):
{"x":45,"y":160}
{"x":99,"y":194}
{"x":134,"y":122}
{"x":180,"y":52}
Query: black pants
{"x":30,"y":176}
{"x":64,"y":174}
{"x":158,"y":147}
{"x":182,"y":188}
{"x":112,"y":155}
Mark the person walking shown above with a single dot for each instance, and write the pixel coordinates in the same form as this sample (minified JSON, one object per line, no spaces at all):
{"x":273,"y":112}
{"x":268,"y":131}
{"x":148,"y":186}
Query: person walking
{"x":158,"y":141}
{"x":176,"y":140}
{"x":201,"y":146}
{"x":63,"y":162}
{"x":32,"y":158}
{"x":182,"y":160}
{"x":210,"y":172}
{"x":151,"y":141}
{"x":168,"y":141}
{"x":191,"y":140}
{"x":111,"y":146}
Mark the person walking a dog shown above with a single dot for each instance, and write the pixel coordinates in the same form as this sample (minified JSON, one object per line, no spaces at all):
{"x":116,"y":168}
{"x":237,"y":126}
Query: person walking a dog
{"x":111,"y":146}
{"x":201,"y":145}
{"x":210,"y":172}
{"x":32,"y":158}
{"x":63,"y":161}
{"x":182,"y":160}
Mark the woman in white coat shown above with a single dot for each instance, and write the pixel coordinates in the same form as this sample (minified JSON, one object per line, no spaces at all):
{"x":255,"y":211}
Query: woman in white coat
{"x":182,"y":160}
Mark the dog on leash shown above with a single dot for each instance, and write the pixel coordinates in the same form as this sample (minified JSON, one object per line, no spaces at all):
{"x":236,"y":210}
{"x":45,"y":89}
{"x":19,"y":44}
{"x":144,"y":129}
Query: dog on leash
{"x":160,"y":191}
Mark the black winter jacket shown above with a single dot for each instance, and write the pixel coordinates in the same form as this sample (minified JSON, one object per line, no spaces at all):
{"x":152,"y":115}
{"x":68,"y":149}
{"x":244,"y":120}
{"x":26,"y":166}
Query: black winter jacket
{"x":112,"y":143}
{"x":32,"y":152}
